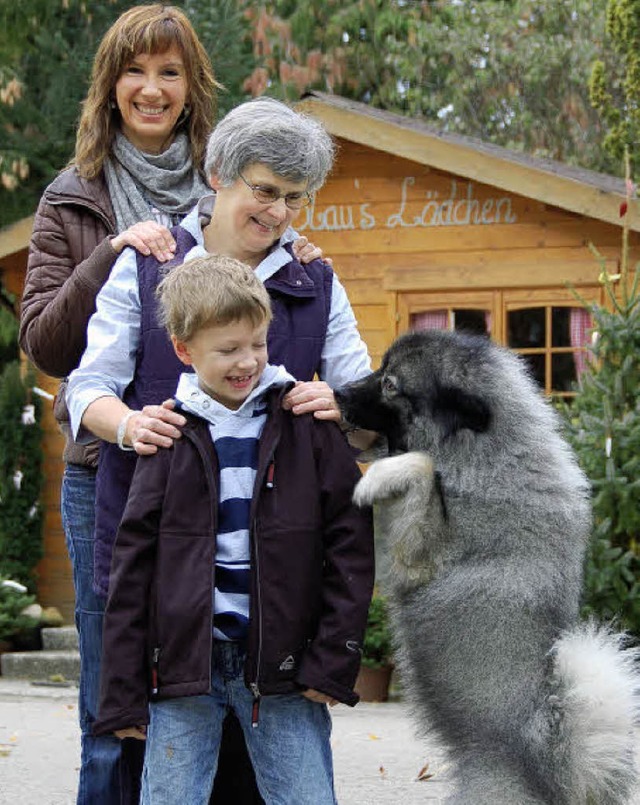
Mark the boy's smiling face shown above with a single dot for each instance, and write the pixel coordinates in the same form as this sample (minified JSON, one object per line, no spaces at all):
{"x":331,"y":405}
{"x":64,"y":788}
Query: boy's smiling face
{"x":229,"y":359}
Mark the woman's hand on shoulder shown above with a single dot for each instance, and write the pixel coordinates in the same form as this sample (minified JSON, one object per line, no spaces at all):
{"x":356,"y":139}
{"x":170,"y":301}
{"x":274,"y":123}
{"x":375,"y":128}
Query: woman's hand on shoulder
{"x":147,"y":237}
{"x":307,"y":252}
{"x":313,"y":397}
{"x":153,"y":427}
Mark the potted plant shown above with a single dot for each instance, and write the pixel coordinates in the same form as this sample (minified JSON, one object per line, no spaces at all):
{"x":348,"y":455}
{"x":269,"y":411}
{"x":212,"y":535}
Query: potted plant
{"x":15,"y":620}
{"x":372,"y":684}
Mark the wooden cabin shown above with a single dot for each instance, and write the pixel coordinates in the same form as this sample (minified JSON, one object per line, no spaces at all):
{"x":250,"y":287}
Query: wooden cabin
{"x":429,"y":229}
{"x":426,"y":229}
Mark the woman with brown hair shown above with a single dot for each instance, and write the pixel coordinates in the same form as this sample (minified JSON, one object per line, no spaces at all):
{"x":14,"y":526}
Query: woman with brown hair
{"x":137,"y":170}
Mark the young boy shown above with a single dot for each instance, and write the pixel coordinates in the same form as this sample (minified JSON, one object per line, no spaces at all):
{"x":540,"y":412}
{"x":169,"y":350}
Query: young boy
{"x":242,"y":572}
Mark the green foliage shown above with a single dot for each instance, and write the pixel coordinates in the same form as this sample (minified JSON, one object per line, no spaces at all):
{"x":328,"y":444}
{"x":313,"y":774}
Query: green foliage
{"x":377,"y":647}
{"x":514,"y":73}
{"x":223,"y":29}
{"x":47,"y":48}
{"x":20,"y":463}
{"x":612,"y":589}
{"x":12,"y":603}
{"x":603,"y":425}
{"x":615,"y":80}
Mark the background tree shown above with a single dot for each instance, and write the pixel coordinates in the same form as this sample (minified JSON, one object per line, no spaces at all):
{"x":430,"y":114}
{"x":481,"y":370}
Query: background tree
{"x":50,"y":46}
{"x":513,"y":73}
{"x":615,"y":81}
{"x":603,"y":425}
{"x":20,"y":459}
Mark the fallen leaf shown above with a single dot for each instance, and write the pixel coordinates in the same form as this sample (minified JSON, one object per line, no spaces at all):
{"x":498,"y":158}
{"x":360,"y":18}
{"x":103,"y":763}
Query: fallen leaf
{"x":424,"y":773}
{"x":373,"y":737}
{"x":383,"y":771}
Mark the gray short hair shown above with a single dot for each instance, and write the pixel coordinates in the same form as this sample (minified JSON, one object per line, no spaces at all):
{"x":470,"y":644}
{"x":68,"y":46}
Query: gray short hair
{"x":265,"y":131}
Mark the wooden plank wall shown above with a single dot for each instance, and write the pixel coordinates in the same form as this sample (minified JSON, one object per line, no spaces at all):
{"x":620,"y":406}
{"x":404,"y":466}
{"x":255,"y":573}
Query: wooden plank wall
{"x":55,"y":581}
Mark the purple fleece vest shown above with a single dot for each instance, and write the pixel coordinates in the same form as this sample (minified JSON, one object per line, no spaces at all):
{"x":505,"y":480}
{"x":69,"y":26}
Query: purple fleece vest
{"x":301,"y":301}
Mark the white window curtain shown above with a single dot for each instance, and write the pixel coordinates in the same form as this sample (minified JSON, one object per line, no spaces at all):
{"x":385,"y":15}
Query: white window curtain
{"x":580,"y":324}
{"x":430,"y":320}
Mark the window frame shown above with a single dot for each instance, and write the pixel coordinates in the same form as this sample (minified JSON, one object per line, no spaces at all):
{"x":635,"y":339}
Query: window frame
{"x":499,"y":303}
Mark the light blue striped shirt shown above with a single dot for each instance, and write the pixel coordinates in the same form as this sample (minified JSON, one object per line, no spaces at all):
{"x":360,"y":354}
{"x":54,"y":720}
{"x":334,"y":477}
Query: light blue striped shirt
{"x":108,"y":364}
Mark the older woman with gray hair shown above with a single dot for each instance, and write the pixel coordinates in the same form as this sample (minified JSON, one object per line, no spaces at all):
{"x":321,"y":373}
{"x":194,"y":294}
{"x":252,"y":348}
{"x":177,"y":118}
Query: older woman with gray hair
{"x":264,"y":161}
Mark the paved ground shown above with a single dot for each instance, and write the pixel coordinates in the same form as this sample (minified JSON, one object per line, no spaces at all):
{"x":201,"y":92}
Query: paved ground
{"x":377,"y":756}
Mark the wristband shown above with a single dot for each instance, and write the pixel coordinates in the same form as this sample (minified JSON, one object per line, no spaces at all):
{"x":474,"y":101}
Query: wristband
{"x":122,"y":430}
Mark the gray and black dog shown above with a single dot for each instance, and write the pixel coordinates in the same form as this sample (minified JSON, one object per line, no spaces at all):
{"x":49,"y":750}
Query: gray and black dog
{"x":487,"y":516}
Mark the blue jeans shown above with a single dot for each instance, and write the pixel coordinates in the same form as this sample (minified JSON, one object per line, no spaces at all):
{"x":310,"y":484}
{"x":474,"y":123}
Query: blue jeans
{"x":289,"y":748}
{"x":103,"y":772}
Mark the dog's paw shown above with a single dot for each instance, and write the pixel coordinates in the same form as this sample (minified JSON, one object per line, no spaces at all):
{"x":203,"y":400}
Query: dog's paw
{"x":391,"y":477}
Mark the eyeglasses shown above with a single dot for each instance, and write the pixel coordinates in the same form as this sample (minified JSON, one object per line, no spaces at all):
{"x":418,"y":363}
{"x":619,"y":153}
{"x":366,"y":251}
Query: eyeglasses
{"x":266,"y":194}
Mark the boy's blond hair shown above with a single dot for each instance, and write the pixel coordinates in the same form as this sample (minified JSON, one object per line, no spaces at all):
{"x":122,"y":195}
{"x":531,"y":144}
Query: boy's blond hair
{"x":211,"y":290}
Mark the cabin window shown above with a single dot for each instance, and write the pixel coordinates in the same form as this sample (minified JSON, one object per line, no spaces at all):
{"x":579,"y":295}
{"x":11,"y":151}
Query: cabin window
{"x":553,"y":340}
{"x":464,"y":319}
{"x":545,"y":326}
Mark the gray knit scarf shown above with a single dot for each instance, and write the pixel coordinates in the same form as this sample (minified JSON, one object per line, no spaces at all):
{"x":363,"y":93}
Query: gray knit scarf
{"x":140,"y":182}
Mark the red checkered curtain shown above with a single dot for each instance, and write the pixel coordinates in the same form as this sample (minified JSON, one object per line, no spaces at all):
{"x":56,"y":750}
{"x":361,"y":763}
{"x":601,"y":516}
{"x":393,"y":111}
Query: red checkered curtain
{"x":430,"y":320}
{"x":580,"y":324}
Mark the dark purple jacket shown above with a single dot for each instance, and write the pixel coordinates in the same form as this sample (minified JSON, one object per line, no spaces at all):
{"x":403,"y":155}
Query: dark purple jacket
{"x":311,"y":578}
{"x":301,"y":301}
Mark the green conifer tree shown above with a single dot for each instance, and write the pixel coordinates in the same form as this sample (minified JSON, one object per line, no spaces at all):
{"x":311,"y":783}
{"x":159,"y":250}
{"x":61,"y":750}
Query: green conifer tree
{"x":603,"y":424}
{"x":21,"y":546}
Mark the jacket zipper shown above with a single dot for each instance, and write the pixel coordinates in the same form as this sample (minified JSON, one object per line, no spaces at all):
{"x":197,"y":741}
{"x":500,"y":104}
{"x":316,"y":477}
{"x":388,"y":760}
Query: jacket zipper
{"x":254,"y":685}
{"x":255,"y":707}
{"x":154,"y":670}
{"x":271,"y":469}
{"x":269,"y":484}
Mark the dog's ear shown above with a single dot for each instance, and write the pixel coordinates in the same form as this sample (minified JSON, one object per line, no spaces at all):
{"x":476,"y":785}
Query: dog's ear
{"x":454,"y":409}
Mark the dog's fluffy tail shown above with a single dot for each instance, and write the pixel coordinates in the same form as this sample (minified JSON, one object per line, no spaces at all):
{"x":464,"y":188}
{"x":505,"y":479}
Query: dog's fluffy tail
{"x":599,"y":677}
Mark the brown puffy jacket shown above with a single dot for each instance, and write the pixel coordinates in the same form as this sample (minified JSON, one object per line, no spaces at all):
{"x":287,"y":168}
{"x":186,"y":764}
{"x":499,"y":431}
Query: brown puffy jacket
{"x":70,"y":258}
